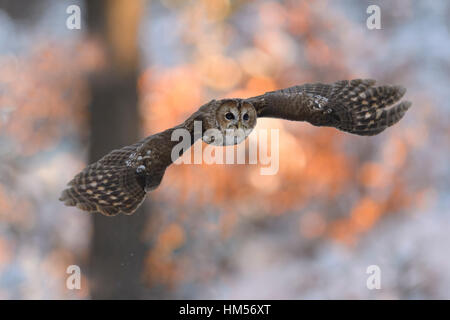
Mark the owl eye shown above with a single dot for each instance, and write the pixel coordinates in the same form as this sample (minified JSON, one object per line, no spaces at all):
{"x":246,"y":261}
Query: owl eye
{"x":245,"y":117}
{"x":229,"y":116}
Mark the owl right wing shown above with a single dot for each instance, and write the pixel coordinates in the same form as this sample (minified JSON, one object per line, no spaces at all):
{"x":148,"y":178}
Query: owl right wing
{"x":354,"y":106}
{"x":109,"y":186}
{"x":118,"y":182}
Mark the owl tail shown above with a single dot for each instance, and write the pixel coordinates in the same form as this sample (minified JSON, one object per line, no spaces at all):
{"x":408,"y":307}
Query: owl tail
{"x":364,"y":110}
{"x":105,"y":188}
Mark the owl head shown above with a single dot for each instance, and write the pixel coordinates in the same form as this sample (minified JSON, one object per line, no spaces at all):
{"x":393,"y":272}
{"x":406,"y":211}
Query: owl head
{"x":234,"y":120}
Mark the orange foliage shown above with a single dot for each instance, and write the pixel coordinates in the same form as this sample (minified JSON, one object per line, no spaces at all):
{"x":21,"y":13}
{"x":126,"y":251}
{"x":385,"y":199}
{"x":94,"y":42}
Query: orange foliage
{"x":46,"y":93}
{"x":169,"y":96}
{"x":160,"y":260}
{"x":374,"y":175}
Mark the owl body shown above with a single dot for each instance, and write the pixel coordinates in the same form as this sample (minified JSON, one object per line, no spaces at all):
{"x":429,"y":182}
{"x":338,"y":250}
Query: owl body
{"x":118,"y":182}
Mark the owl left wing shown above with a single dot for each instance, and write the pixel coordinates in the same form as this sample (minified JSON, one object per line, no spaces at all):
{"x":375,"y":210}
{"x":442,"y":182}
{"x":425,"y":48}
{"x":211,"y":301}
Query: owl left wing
{"x":354,"y":106}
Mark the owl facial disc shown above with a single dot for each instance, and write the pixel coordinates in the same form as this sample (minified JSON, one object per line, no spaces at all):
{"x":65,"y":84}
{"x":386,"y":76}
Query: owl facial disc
{"x":235,"y":120}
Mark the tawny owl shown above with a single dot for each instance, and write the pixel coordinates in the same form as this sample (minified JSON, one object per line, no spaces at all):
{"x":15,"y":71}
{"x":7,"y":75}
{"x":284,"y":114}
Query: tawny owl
{"x":118,"y":182}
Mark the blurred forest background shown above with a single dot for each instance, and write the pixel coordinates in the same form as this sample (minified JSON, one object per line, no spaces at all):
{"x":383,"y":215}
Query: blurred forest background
{"x":338,"y":204}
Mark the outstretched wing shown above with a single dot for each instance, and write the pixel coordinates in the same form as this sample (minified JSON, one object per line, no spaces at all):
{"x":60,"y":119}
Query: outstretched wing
{"x":118,"y":182}
{"x":354,"y":106}
{"x":111,"y":185}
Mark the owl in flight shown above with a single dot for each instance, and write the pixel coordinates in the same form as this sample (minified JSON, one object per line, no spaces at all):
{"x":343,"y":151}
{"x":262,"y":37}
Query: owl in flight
{"x":118,"y":182}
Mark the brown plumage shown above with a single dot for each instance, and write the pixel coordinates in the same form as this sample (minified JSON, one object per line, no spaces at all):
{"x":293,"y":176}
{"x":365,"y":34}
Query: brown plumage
{"x":118,"y":182}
